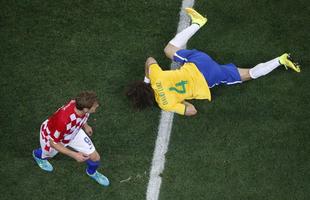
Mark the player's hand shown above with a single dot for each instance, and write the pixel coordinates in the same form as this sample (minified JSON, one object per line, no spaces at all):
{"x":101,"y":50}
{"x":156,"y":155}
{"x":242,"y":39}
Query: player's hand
{"x":81,"y":157}
{"x":88,"y":129}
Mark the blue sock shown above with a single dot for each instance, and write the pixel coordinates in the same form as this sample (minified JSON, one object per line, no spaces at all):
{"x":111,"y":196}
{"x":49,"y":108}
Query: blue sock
{"x":92,"y":166}
{"x":38,"y":153}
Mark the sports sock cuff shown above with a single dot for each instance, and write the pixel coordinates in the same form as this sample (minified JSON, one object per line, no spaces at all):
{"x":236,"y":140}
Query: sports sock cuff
{"x":93,"y":163}
{"x":194,"y":23}
{"x":252,"y":74}
{"x":92,"y":166}
{"x":279,"y":60}
{"x":146,"y":80}
{"x":38,"y":153}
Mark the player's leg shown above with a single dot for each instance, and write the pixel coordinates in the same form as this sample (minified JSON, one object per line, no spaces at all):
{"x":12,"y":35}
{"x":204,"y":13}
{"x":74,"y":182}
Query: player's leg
{"x":43,"y":153}
{"x":180,"y":40}
{"x":229,"y":74}
{"x":93,"y":162}
{"x":91,"y":170}
{"x":82,"y":143}
{"x":244,"y":74}
{"x":265,"y":68}
{"x":40,"y":156}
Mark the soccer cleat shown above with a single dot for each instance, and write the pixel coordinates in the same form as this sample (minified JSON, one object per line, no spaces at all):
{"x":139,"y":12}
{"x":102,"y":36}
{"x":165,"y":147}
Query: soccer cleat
{"x":43,"y":164}
{"x":288,"y":62}
{"x":100,"y":178}
{"x":196,"y":17}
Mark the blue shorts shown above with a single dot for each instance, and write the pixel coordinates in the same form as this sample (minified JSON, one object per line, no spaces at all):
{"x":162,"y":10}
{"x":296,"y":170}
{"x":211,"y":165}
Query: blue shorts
{"x":213,"y":72}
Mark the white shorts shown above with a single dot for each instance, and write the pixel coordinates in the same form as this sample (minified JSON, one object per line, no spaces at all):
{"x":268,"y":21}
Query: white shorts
{"x":81,"y":143}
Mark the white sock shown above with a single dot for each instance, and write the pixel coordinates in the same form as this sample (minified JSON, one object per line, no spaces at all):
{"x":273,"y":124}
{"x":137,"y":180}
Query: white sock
{"x":264,"y":68}
{"x":181,"y":38}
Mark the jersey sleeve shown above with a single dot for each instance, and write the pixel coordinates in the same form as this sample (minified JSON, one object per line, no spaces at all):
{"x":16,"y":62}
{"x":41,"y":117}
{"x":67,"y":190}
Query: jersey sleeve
{"x":154,"y":71}
{"x":177,"y":108}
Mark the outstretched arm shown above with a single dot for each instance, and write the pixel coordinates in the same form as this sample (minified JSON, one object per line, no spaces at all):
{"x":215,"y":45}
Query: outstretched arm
{"x":149,"y":61}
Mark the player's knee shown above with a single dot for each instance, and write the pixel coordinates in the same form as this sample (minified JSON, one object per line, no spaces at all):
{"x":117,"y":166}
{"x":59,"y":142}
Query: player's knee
{"x":94,"y":156}
{"x":169,"y":50}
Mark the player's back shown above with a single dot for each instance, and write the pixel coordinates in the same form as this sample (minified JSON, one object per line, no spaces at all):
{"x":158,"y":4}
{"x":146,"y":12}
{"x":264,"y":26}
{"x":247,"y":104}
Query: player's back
{"x":62,"y":116}
{"x":65,"y":123}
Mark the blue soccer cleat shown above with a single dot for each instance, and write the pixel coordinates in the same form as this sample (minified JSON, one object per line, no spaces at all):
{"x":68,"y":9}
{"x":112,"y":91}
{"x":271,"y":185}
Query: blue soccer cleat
{"x":43,"y":164}
{"x":100,"y":178}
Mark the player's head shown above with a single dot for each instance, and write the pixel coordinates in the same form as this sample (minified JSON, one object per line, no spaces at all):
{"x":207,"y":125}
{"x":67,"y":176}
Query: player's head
{"x":87,"y":101}
{"x":140,"y":94}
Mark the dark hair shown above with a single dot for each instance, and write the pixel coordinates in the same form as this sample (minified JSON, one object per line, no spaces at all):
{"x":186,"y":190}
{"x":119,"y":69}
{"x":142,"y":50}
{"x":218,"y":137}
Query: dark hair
{"x":140,"y":94}
{"x":86,"y":99}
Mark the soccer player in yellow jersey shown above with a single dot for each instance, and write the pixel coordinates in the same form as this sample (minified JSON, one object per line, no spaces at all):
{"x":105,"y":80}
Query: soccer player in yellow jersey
{"x":199,"y":72}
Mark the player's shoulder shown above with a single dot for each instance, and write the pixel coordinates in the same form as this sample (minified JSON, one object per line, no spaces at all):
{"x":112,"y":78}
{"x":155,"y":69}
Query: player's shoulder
{"x":69,"y":106}
{"x":62,"y":115}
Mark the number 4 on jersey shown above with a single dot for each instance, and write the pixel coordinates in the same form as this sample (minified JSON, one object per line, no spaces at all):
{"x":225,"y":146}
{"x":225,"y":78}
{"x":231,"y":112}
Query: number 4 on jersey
{"x":179,"y":87}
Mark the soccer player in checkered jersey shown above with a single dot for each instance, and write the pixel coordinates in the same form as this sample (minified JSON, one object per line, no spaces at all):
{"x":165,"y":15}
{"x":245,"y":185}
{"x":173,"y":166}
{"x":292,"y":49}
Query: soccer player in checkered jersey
{"x":199,"y":72}
{"x":68,"y":127}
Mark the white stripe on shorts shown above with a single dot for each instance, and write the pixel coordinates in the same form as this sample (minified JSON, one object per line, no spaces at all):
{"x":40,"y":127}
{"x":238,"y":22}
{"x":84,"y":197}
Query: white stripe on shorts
{"x":176,"y":55}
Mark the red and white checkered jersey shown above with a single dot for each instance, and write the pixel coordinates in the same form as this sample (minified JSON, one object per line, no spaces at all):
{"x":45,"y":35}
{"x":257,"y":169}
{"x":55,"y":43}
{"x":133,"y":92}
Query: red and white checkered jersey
{"x":63,"y":125}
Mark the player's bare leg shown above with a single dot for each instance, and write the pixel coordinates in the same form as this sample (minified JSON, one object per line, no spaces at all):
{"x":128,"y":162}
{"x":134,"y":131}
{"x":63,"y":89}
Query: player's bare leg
{"x":244,"y":74}
{"x":180,"y":40}
{"x":94,"y":156}
{"x":170,"y":50}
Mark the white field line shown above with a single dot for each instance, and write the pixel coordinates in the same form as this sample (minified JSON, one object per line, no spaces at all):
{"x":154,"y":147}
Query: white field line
{"x":165,"y":125}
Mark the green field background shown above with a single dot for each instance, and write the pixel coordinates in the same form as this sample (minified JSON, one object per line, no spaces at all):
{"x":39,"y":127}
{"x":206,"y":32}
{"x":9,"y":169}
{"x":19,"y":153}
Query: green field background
{"x":250,"y":142}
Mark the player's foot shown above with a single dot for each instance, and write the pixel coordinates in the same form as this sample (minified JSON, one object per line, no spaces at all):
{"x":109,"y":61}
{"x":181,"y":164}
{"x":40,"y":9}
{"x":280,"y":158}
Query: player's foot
{"x":196,"y":17}
{"x":100,"y":178}
{"x":288,"y":62}
{"x":43,"y":164}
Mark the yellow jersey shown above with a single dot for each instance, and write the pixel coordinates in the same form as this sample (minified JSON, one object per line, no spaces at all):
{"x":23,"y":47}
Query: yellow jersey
{"x":172,"y":87}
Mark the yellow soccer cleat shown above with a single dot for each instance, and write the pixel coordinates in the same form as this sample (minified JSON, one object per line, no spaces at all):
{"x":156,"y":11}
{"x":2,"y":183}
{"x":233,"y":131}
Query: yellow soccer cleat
{"x":288,"y":62}
{"x":196,"y":17}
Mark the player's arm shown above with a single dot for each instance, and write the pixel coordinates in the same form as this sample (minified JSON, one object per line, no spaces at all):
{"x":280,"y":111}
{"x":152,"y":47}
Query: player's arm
{"x":190,"y":109}
{"x":78,"y":156}
{"x":149,"y":61}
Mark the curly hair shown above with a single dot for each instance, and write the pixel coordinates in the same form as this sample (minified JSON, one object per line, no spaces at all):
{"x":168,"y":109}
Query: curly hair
{"x":141,"y":95}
